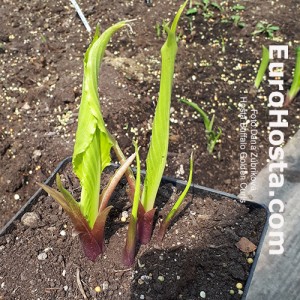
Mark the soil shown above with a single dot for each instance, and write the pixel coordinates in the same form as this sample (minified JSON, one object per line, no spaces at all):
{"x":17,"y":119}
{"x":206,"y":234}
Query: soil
{"x":198,"y":255}
{"x":41,"y":50}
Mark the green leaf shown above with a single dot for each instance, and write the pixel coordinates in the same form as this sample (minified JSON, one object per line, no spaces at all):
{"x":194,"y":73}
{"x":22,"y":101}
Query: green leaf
{"x":256,"y":32}
{"x":211,"y":124}
{"x":217,"y":6}
{"x":137,"y":183}
{"x":206,"y":3}
{"x":259,"y":28}
{"x":260,"y":25}
{"x":93,"y":144}
{"x":270,"y":33}
{"x":169,"y":217}
{"x":191,"y":11}
{"x":238,"y":7}
{"x":263,"y":67}
{"x":274,"y":28}
{"x":69,"y":204}
{"x":295,"y":88}
{"x":201,"y":112}
{"x":157,"y":155}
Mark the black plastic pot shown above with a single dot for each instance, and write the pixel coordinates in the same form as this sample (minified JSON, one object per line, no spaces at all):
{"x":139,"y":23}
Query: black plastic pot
{"x":195,"y":189}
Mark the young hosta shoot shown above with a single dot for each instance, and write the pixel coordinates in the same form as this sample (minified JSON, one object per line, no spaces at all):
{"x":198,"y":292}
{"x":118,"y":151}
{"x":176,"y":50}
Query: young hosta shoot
{"x":157,"y":155}
{"x":92,"y":238}
{"x":129,"y":250}
{"x":295,"y":88}
{"x":263,"y":67}
{"x":211,"y":136}
{"x":93,"y":142}
{"x":91,"y":155}
{"x":166,"y":222}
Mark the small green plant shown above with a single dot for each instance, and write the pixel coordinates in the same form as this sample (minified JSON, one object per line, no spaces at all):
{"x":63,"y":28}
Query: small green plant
{"x":206,"y":6}
{"x":212,"y":136}
{"x":222,"y":44}
{"x":160,"y":28}
{"x":263,"y":67}
{"x":237,"y":21}
{"x":265,"y":28}
{"x":238,"y":7}
{"x":295,"y":88}
{"x":211,"y":9}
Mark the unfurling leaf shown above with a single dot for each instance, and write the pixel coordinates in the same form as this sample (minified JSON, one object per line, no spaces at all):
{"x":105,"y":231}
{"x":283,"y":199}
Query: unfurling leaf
{"x":157,"y":155}
{"x":93,"y":142}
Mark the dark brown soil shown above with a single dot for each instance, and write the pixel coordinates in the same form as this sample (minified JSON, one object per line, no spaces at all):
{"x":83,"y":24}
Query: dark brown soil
{"x":198,"y":253}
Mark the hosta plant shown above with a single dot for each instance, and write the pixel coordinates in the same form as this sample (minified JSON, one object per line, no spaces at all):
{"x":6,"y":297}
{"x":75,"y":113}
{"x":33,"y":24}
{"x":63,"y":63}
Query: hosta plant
{"x":141,"y":221}
{"x":157,"y":154}
{"x":91,"y":156}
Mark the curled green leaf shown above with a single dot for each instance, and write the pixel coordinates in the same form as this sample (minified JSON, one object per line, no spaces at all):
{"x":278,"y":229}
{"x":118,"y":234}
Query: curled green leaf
{"x":93,"y":142}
